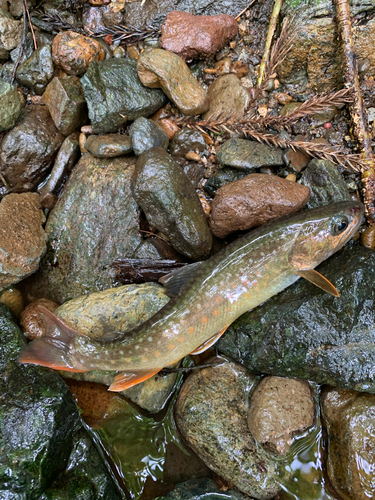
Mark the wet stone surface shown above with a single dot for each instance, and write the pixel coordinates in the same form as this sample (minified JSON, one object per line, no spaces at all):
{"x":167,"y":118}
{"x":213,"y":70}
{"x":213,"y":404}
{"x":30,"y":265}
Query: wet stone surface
{"x":146,"y":134}
{"x":10,"y":106}
{"x":202,"y":489}
{"x":184,"y":141}
{"x":222,"y":177}
{"x":227,"y":98}
{"x":108,"y":146}
{"x":248,"y":155}
{"x":305,"y":333}
{"x":36,"y":72}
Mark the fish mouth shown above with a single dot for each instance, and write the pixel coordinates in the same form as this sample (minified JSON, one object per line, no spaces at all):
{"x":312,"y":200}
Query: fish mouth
{"x":357,"y":214}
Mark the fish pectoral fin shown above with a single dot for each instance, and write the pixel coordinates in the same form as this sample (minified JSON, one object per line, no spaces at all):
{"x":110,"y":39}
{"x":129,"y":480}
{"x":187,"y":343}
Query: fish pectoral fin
{"x":319,"y":280}
{"x":128,"y":379}
{"x":208,"y":343}
{"x":174,"y":281}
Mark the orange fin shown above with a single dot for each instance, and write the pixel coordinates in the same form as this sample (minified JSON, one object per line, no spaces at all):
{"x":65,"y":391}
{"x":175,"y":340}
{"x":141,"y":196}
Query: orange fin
{"x":126,"y":380}
{"x":208,"y":343}
{"x":319,"y":280}
{"x":54,"y":325}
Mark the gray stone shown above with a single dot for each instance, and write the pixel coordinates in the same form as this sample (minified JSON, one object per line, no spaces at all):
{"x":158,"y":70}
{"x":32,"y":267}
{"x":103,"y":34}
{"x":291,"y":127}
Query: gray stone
{"x":84,"y":241}
{"x":325,"y":183}
{"x":10,"y":105}
{"x":27,"y":50}
{"x":36,"y":72}
{"x":248,"y":155}
{"x":115,"y":94}
{"x":222,"y":177}
{"x":211,"y":414}
{"x":171,"y":204}
{"x":302,"y":332}
{"x":146,"y":134}
{"x":109,"y":146}
{"x":10,"y":30}
{"x":202,"y":489}
{"x":227,"y":98}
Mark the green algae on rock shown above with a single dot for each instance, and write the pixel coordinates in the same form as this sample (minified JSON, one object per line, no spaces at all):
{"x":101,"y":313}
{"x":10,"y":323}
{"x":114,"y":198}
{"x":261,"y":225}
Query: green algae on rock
{"x":95,"y":222}
{"x":248,"y":155}
{"x":10,"y":105}
{"x":302,"y":332}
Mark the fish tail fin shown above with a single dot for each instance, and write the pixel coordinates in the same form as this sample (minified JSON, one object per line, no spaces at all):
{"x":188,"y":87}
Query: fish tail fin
{"x":53,"y":349}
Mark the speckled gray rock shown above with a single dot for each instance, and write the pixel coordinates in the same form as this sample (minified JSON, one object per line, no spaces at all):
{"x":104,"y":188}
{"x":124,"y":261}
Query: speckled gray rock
{"x":349,"y":418}
{"x":84,"y":240}
{"x":303,"y":332}
{"x":10,"y":105}
{"x":109,"y":146}
{"x":146,"y":134}
{"x":171,"y":204}
{"x":279,"y":409}
{"x":227,"y":98}
{"x":325,"y":183}
{"x":29,"y":149}
{"x":248,"y":155}
{"x":22,"y":237}
{"x":202,"y":489}
{"x":115,"y":94}
{"x":37,"y":71}
{"x":10,"y":30}
{"x":211,"y":413}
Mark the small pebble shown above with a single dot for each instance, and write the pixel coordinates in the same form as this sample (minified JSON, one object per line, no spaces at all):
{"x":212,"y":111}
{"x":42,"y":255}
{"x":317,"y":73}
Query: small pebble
{"x":193,"y":157}
{"x":368,"y":238}
{"x":291,"y":177}
{"x":86,"y":129}
{"x":282,"y":98}
{"x":205,"y":204}
{"x":210,"y":71}
{"x":240,"y":69}
{"x":119,"y":52}
{"x":232,"y":44}
{"x":169,"y":127}
{"x":224,"y":66}
{"x":133,"y":52}
{"x":82,"y":140}
{"x":327,"y":125}
{"x":31,"y":320}
{"x":12,"y":298}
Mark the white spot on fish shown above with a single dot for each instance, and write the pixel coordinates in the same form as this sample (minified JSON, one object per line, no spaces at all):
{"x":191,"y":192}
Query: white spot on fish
{"x":137,"y":347}
{"x":150,"y":339}
{"x":113,"y":361}
{"x":121,"y":352}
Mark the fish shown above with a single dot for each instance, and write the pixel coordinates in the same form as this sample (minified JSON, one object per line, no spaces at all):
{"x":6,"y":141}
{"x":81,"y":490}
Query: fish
{"x":206,"y":297}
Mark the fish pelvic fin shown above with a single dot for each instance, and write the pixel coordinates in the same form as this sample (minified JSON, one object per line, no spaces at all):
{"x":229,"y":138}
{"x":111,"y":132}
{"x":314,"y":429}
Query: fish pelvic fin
{"x":319,"y":280}
{"x":54,"y":349}
{"x":208,"y":343}
{"x":126,"y":380}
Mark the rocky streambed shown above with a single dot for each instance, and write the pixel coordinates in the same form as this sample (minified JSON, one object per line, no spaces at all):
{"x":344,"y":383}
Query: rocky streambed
{"x":107,"y":184}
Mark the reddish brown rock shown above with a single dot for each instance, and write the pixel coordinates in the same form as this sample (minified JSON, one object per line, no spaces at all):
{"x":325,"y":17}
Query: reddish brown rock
{"x":196,"y":37}
{"x":74,"y":52}
{"x":31,"y":318}
{"x":254,"y":200}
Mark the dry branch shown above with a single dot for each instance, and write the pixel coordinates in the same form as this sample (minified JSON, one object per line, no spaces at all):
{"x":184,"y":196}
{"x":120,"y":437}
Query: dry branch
{"x":267,"y":48}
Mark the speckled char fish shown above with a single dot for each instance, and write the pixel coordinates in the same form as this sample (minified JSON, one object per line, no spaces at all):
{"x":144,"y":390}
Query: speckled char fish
{"x":209,"y":296}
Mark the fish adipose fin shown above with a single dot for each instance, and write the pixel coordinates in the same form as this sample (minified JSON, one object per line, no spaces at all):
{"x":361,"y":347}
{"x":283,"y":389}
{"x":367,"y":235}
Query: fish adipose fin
{"x":175,"y":280}
{"x":52,"y":350}
{"x":126,"y":380}
{"x":206,"y":345}
{"x":319,"y":280}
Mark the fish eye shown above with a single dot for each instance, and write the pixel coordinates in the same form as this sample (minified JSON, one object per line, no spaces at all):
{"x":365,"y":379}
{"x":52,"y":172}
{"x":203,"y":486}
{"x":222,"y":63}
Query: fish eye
{"x":339,"y":224}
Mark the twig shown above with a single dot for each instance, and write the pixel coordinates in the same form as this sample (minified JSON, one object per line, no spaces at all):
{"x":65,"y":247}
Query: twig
{"x":245,"y":9}
{"x":23,"y":42}
{"x":267,"y":48}
{"x":358,"y":115}
{"x":3,"y":180}
{"x":167,"y":371}
{"x":143,"y":270}
{"x":280,"y":48}
{"x":31,"y":25}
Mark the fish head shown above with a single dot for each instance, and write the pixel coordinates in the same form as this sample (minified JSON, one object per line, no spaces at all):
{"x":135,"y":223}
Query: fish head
{"x":323,"y":231}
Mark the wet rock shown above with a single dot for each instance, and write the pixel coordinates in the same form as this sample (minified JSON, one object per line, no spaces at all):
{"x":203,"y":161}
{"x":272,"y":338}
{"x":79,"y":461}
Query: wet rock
{"x":253,"y":201}
{"x":22,"y":238}
{"x":195,"y":173}
{"x":248,"y":155}
{"x":196,"y":37}
{"x":115,"y":94}
{"x":325,"y":182}
{"x":324,"y":116}
{"x":66,"y":103}
{"x":211,"y":413}
{"x":74,"y":52}
{"x":296,"y":160}
{"x":227,"y":98}
{"x":36,"y":72}
{"x":109,"y":146}
{"x":304,"y":333}
{"x":349,"y":419}
{"x":171,"y":204}
{"x":184,"y":141}
{"x":279,"y":409}
{"x":10,"y":105}
{"x":31,"y":320}
{"x":12,"y":298}
{"x":29,"y":149}
{"x":146,"y":134}
{"x":222,"y":177}
{"x":202,"y":489}
{"x":10,"y":30}
{"x":81,"y":249}
{"x":158,"y":68}
{"x":65,"y":161}
{"x":41,"y":434}
{"x":314,"y":61}
{"x":154,"y":11}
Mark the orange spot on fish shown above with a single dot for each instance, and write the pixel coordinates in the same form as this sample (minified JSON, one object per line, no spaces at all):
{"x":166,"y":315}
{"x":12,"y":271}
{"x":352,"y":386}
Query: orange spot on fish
{"x":248,"y":295}
{"x":204,"y":319}
{"x":144,"y":359}
{"x":171,"y":346}
{"x":157,"y":353}
{"x":232,"y":285}
{"x":230,"y":296}
{"x":216,"y":312}
{"x":266,"y":266}
{"x":265,"y":284}
{"x":191,"y":329}
{"x":218,"y":299}
{"x":228,"y":309}
{"x":128,"y":360}
{"x":181,"y":339}
{"x":244,"y":282}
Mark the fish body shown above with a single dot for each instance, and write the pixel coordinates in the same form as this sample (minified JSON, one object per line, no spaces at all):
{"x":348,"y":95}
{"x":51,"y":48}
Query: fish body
{"x":238,"y":278}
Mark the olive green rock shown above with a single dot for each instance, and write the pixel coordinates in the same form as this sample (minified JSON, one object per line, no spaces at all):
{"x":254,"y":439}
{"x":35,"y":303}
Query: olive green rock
{"x":305,"y":333}
{"x":170,"y":203}
{"x":227,"y":98}
{"x":10,"y":106}
{"x":211,"y":414}
{"x":349,"y":418}
{"x":94,"y":222}
{"x":37,"y":71}
{"x":109,"y":146}
{"x":114,"y":94}
{"x":41,"y":434}
{"x":248,"y":155}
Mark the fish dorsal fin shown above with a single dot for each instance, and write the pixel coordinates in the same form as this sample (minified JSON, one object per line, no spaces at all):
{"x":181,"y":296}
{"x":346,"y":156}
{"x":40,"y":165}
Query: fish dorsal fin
{"x":175,"y":280}
{"x":319,"y":280}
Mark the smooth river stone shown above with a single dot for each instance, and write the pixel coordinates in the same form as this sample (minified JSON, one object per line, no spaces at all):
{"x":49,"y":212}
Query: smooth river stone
{"x":249,"y":155}
{"x":227,"y":98}
{"x":109,"y":146}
